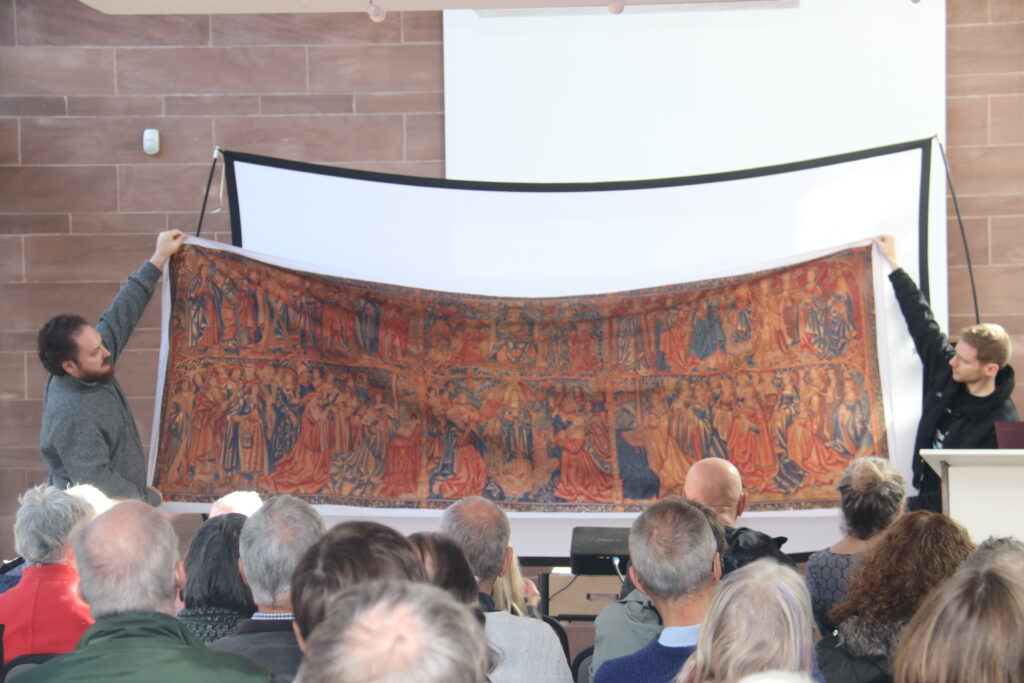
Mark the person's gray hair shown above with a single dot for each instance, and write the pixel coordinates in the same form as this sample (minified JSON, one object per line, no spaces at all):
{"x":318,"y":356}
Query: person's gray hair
{"x":759,"y":620}
{"x":482,"y":530}
{"x":43,"y":523}
{"x":126,"y":560}
{"x":397,"y":632}
{"x":242,"y":502}
{"x":871,"y":495}
{"x":672,"y":548}
{"x":1001,"y":550}
{"x":273,"y":541}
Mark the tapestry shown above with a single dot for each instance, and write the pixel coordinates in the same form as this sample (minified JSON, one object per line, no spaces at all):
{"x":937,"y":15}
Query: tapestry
{"x":356,"y":393}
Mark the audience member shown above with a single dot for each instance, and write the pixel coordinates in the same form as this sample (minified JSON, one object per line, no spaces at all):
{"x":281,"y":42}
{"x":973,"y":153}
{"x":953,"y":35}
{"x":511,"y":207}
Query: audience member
{"x":43,"y":613}
{"x":215,"y":596}
{"x":396,"y":632}
{"x":715,"y":486}
{"x":673,"y":560}
{"x":1006,"y":551}
{"x":272,"y":541}
{"x":126,"y":558}
{"x":529,"y":648}
{"x":349,"y":554}
{"x":514,"y":594}
{"x":446,"y":566}
{"x":759,"y":620}
{"x":970,"y":630}
{"x":871,"y":495}
{"x":242,"y":502}
{"x":918,"y":552}
{"x":717,"y":483}
{"x":10,"y":572}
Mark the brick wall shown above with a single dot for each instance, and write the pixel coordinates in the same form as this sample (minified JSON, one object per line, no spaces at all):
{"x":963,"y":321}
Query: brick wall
{"x":985,"y":109}
{"x":80,"y":203}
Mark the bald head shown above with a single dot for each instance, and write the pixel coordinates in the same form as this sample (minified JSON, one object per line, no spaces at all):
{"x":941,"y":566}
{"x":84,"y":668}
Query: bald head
{"x":716,"y":483}
{"x":126,"y":559}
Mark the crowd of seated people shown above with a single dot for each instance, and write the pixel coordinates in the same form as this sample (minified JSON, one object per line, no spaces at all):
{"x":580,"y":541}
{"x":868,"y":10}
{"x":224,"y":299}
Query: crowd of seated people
{"x":270,"y":594}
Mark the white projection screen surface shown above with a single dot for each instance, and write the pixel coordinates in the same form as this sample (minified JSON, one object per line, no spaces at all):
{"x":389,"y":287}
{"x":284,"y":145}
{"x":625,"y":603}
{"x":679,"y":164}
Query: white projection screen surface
{"x":531,"y":240}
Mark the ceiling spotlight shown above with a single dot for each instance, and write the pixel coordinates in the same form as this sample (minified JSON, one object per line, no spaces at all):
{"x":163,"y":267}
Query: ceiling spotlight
{"x":616,"y":6}
{"x":375,"y":12}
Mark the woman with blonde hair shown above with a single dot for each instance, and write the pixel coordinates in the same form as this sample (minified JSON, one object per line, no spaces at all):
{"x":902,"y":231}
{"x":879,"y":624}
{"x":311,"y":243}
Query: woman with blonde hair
{"x":512,"y":593}
{"x":968,"y":631}
{"x":759,"y":620}
{"x":916,"y":555}
{"x":871,"y":495}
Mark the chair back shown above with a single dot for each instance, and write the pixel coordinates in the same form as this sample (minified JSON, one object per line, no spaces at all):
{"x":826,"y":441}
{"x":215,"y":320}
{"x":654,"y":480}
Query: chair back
{"x":563,"y":637}
{"x":20,"y":665}
{"x":581,"y":665}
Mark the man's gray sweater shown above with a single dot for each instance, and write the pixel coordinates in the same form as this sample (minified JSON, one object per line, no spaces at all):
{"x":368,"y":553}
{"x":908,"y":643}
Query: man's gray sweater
{"x":88,"y":434}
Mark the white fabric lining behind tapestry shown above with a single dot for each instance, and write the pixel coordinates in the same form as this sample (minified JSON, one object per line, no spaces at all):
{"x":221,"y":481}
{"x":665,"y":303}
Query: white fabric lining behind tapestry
{"x":426,"y":234}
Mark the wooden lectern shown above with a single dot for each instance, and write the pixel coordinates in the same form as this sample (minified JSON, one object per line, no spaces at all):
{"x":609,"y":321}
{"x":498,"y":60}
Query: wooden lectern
{"x":982,"y":489}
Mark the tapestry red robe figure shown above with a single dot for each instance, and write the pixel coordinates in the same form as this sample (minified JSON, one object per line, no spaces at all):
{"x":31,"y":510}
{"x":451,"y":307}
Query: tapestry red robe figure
{"x":822,"y":464}
{"x":750,"y":443}
{"x":394,"y":332}
{"x":581,"y":479}
{"x":307,"y":469}
{"x":207,"y":435}
{"x":469,"y":343}
{"x":664,"y":456}
{"x":402,"y":459}
{"x":583,"y":349}
{"x":252,"y":444}
{"x":470,"y":475}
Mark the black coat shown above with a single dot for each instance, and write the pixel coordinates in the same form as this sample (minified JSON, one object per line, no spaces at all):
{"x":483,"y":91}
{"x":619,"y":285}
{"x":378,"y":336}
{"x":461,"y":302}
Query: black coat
{"x":971,"y":427}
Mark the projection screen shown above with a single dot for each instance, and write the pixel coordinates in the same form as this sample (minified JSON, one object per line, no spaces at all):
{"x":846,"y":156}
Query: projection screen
{"x":529,"y":240}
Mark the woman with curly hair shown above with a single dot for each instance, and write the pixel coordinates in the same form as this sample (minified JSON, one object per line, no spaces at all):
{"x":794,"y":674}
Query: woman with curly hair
{"x":916,"y":555}
{"x":871,"y":495}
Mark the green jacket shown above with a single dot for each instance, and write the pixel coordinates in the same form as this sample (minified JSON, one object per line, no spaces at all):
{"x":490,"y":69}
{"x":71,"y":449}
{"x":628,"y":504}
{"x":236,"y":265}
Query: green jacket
{"x":146,"y":647}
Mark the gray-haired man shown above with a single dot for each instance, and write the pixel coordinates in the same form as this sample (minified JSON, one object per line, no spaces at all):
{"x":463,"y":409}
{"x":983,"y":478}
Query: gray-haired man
{"x":394,"y":632}
{"x":673,"y":559}
{"x":529,"y":648}
{"x":273,"y":540}
{"x":126,"y":560}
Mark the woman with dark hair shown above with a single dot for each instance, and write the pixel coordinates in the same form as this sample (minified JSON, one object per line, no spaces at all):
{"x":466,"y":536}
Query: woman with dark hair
{"x":871,"y":495}
{"x":446,"y":565}
{"x":216,"y":598}
{"x":448,"y":569}
{"x":915,"y":556}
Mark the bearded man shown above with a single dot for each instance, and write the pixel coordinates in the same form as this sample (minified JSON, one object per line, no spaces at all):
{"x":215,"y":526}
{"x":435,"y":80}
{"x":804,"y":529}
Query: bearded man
{"x":88,"y":434}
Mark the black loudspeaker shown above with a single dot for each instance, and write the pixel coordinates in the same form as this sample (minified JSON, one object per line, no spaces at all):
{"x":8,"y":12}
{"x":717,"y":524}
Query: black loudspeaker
{"x":593,"y":548}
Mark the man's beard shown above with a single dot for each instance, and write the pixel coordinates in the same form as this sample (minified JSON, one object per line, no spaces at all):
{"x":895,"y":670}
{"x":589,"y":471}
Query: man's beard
{"x":104,"y":376}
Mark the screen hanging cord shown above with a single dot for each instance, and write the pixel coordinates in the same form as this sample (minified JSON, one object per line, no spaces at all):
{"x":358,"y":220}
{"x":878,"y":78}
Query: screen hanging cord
{"x":963,"y":233}
{"x":206,"y":195}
